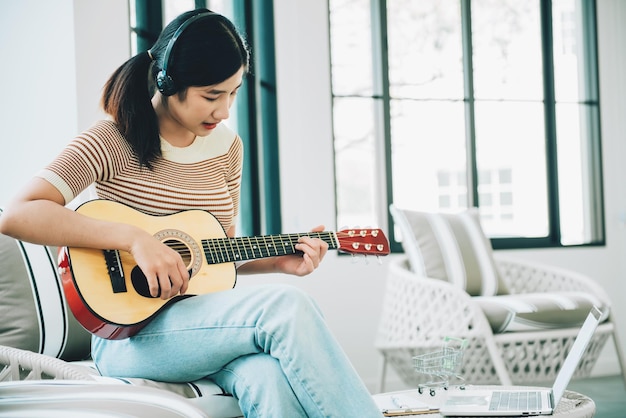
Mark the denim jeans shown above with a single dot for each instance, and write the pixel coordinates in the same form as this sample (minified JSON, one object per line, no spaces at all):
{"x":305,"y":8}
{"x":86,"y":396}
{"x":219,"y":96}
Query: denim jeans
{"x":267,"y":345}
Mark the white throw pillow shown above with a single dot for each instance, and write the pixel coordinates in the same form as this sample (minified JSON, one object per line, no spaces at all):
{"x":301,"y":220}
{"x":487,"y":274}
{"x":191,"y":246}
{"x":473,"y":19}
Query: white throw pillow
{"x":451,"y":247}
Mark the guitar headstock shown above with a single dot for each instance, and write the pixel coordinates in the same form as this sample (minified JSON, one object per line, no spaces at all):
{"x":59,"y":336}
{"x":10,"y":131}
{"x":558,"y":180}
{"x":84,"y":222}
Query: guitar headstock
{"x":363,"y":241}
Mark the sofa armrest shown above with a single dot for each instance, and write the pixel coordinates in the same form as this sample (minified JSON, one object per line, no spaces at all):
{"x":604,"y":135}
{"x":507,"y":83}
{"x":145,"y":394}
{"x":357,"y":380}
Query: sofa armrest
{"x":523,"y":276}
{"x":91,"y":400}
{"x":17,"y":364}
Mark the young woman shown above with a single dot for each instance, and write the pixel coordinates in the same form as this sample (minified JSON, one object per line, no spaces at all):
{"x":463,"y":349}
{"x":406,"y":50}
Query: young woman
{"x":163,"y":150}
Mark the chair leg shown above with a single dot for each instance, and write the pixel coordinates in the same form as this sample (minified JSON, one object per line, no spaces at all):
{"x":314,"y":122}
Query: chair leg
{"x":618,"y":350}
{"x":383,"y":376}
{"x":498,"y":362}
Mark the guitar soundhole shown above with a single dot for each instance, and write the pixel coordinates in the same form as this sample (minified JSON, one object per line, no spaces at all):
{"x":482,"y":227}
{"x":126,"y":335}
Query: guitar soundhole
{"x":182,"y":249}
{"x":140,"y":283}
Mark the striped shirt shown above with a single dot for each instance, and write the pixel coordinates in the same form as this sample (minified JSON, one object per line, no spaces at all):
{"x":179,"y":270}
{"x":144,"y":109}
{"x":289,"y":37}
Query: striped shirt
{"x":205,"y":175}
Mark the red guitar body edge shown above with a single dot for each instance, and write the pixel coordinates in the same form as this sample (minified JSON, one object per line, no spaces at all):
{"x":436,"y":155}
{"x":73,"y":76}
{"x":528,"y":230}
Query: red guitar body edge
{"x":85,"y":316}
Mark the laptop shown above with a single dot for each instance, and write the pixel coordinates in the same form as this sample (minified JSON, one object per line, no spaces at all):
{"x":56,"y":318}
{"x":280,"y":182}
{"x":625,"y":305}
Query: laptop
{"x":539,"y":401}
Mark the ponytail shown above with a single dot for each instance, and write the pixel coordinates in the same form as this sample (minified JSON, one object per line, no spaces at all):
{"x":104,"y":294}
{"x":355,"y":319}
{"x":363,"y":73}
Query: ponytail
{"x":127,"y":98}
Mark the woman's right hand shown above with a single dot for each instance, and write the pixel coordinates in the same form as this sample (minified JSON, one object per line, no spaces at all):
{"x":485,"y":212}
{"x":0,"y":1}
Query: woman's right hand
{"x":163,"y":267}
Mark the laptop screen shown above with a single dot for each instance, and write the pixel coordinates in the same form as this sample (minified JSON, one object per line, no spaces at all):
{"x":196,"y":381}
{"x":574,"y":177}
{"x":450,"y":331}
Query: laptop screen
{"x":575,"y":354}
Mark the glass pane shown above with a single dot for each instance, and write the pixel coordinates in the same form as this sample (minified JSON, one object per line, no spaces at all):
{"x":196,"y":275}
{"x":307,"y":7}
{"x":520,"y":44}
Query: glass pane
{"x":507,"y":49}
{"x":428,"y":155}
{"x":511,"y":159}
{"x":224,"y":7}
{"x":355,"y":162}
{"x":576,"y":173}
{"x":425,"y":57}
{"x":351,"y":47}
{"x":172,"y":8}
{"x":569,"y":54}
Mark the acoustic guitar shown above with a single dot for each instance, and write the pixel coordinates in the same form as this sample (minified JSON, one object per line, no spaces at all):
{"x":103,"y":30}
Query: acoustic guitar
{"x":108,"y":293}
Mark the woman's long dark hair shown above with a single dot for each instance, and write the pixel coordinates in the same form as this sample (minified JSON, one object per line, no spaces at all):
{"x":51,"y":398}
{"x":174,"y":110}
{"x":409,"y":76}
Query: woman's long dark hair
{"x":208,"y":51}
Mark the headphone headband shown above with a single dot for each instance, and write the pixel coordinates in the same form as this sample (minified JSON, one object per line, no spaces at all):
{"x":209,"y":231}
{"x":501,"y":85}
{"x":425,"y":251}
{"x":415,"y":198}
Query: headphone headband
{"x":164,"y":81}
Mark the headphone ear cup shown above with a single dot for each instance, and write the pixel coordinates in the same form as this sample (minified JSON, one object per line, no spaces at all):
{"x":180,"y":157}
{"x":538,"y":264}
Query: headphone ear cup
{"x":165,"y":84}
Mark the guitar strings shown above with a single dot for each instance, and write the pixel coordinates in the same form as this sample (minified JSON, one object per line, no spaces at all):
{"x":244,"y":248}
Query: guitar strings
{"x":264,"y":245}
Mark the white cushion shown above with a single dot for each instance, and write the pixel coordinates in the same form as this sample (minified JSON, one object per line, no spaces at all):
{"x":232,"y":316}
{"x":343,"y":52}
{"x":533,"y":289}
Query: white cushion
{"x":451,"y":247}
{"x":537,"y":311}
{"x":204,"y":392}
{"x":33,"y":309}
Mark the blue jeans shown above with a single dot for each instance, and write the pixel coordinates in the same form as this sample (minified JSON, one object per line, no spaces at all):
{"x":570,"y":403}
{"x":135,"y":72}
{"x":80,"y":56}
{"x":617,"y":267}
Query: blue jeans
{"x":267,"y":345}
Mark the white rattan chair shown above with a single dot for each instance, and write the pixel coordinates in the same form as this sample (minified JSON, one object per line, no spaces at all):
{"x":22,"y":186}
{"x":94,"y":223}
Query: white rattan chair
{"x":419,"y":312}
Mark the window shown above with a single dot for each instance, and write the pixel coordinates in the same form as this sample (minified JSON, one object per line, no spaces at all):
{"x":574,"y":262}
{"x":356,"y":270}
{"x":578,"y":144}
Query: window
{"x":440,"y":105}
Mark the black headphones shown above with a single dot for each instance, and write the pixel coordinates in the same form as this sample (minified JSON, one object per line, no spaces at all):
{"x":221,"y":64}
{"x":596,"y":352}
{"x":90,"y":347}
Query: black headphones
{"x":164,"y":82}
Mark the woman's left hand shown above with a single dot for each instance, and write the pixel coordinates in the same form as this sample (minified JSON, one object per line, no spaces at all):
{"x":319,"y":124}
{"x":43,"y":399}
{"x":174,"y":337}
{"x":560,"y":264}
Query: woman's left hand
{"x":313,"y":251}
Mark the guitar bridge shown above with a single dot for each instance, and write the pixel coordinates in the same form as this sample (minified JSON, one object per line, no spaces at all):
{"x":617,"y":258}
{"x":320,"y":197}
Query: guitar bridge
{"x":115,"y":270}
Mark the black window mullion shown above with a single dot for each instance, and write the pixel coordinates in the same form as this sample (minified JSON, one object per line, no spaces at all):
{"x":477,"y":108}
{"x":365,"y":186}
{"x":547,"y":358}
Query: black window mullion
{"x":267,"y":122}
{"x":469,"y":100}
{"x":250,"y":198}
{"x":149,"y":22}
{"x":382,"y":100}
{"x":592,"y":101}
{"x":554,"y":226}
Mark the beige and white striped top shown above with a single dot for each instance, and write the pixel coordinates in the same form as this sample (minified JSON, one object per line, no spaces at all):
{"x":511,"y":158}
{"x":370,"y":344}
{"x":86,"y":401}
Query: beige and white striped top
{"x":205,"y":175}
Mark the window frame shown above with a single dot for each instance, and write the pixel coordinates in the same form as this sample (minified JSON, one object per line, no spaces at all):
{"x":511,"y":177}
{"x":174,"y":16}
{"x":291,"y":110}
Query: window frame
{"x":591,"y":82}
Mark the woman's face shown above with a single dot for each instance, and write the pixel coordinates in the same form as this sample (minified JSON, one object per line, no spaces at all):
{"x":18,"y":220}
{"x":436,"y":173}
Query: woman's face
{"x":204,"y":107}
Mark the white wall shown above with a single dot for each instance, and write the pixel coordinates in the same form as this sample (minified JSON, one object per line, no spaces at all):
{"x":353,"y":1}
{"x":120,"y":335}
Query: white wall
{"x":57,"y":55}
{"x":37,"y":110}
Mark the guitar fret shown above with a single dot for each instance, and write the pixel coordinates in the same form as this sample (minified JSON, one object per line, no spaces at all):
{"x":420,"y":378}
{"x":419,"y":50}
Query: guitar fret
{"x":250,"y":248}
{"x":282,"y":242}
{"x":238,"y":245}
{"x":256,"y":239}
{"x":293,"y":242}
{"x":216,"y":251}
{"x":273,"y":245}
{"x":263,"y":246}
{"x":253,"y":248}
{"x":206,"y":244}
{"x":224,"y":249}
{"x":247,"y":257}
{"x":235,"y":256}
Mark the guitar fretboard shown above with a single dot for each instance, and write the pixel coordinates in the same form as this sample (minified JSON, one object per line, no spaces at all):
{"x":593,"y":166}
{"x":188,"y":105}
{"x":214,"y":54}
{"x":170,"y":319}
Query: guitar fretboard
{"x":226,"y":250}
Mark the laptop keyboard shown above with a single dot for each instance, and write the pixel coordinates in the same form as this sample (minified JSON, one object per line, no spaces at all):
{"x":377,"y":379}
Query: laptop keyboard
{"x":507,"y":401}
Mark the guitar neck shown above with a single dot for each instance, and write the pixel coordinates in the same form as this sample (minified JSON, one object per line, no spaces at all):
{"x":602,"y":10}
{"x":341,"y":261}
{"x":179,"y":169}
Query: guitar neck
{"x":228,"y":250}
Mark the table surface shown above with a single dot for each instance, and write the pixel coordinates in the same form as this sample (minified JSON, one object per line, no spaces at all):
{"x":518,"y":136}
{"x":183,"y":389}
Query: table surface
{"x":572,"y":404}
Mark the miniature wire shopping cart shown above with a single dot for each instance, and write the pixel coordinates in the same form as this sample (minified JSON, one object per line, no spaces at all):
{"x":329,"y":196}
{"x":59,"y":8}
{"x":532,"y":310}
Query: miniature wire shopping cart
{"x":442,"y":365}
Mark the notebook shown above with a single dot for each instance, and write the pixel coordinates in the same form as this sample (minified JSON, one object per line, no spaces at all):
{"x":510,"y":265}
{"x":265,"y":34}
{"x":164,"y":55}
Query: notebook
{"x":478,"y":402}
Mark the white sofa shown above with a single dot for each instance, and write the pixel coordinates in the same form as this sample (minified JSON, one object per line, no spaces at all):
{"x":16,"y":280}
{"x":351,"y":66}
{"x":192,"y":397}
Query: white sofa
{"x":41,"y":340}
